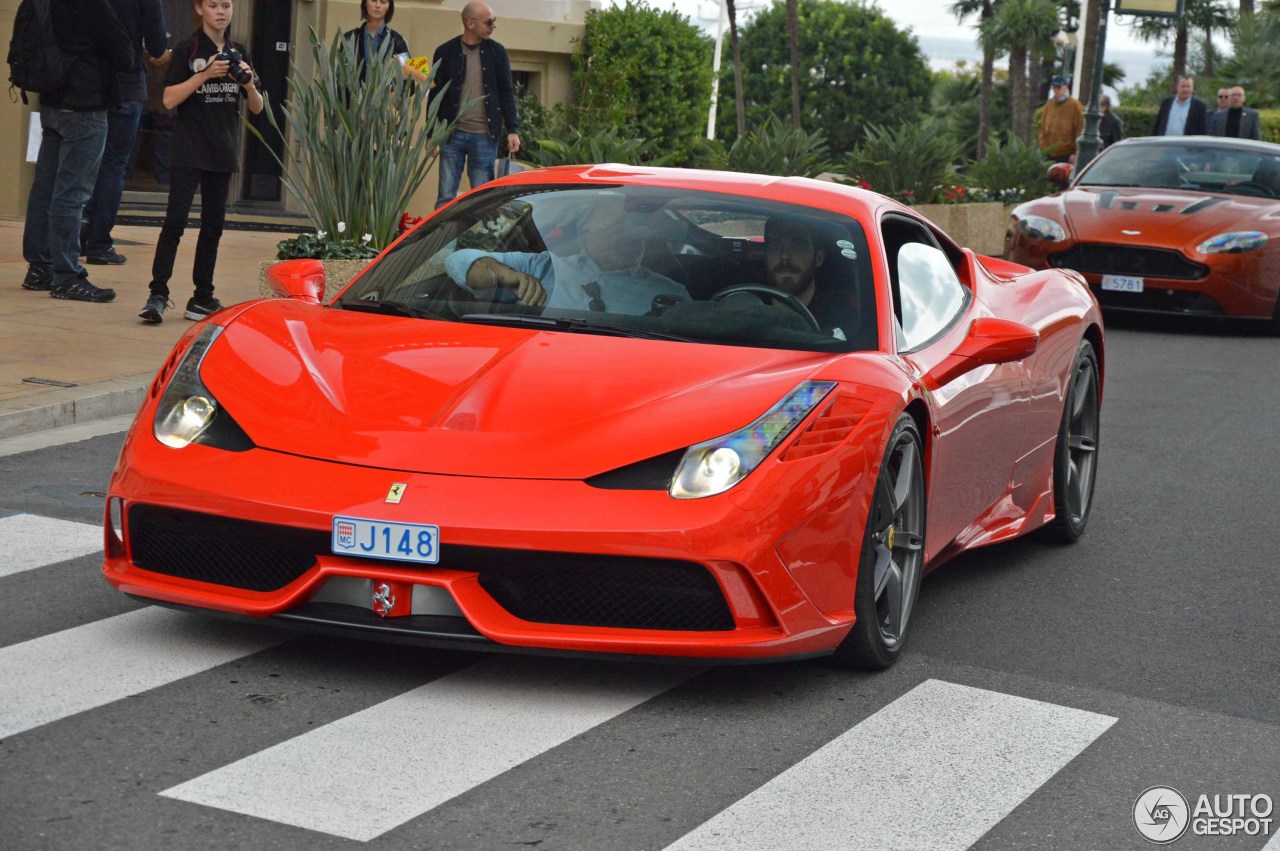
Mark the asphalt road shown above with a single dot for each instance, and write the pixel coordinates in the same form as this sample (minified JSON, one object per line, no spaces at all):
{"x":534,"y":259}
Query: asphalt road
{"x":1043,"y":689}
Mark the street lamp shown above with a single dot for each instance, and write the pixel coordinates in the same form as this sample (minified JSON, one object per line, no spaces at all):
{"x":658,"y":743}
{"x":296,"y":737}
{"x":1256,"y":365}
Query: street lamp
{"x":1089,"y":143}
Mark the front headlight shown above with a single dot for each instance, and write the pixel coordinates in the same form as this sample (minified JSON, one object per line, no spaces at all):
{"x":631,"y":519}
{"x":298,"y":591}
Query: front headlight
{"x":1236,"y":242}
{"x":188,"y":413}
{"x":715,"y":466}
{"x":1038,"y":227}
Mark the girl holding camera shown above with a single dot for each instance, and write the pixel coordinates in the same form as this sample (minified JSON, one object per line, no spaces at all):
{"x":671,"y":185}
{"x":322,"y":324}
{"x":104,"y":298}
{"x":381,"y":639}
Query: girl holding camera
{"x":204,"y":82}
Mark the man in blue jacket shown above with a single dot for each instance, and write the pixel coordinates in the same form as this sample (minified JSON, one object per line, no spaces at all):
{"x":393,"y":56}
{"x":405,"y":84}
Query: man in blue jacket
{"x":144,"y":21}
{"x":479,"y":74}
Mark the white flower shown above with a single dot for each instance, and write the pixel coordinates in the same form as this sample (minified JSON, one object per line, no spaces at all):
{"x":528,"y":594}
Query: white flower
{"x":367,"y":238}
{"x":342,"y":227}
{"x":321,"y":234}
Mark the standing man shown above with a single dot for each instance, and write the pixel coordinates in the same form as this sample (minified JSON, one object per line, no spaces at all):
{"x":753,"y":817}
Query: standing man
{"x":478,"y":73}
{"x":1181,"y":114}
{"x":1110,"y":127}
{"x":74,"y":124}
{"x":144,"y":21}
{"x":1061,"y":123}
{"x":1237,"y":120}
{"x":1224,"y":95}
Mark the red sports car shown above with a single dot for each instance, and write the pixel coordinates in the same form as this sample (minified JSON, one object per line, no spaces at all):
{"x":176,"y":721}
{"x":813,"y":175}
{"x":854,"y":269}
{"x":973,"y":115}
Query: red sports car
{"x":619,"y":410}
{"x":1186,"y":225}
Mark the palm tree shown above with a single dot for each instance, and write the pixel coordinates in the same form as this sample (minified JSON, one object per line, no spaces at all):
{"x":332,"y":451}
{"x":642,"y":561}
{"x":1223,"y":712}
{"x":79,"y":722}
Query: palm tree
{"x":738,"y":102}
{"x":985,"y":10}
{"x":1022,"y":27}
{"x":1201,"y":16}
{"x":793,"y":27}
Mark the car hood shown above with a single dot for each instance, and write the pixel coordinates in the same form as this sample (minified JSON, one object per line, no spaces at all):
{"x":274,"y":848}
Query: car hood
{"x":461,"y":399}
{"x":1160,"y":217}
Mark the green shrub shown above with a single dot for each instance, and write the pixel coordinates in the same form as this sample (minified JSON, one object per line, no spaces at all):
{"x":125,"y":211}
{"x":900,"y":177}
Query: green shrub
{"x":911,"y":162}
{"x":777,"y":148}
{"x":360,"y":148}
{"x":321,"y":246}
{"x":1011,"y":171}
{"x":583,"y":147}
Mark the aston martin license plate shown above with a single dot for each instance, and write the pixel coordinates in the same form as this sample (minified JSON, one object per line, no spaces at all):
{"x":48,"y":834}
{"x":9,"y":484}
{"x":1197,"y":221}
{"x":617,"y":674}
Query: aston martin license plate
{"x":359,"y":536}
{"x":1122,"y":283}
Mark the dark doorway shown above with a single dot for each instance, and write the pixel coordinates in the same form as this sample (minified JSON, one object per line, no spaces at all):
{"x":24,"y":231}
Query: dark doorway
{"x":269,"y":46}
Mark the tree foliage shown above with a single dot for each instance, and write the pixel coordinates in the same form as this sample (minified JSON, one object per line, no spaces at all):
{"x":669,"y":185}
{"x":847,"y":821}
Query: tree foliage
{"x":912,"y":161}
{"x":859,"y":69}
{"x":775,"y":147}
{"x":647,"y":73}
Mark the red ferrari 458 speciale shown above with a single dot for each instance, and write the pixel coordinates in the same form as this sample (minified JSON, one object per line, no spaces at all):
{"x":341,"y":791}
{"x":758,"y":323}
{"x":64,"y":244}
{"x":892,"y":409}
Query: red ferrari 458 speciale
{"x":603,"y":409}
{"x":1185,"y":225}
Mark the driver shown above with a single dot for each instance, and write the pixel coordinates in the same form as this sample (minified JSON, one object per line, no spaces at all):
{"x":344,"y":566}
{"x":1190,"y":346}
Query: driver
{"x":606,"y":276}
{"x":792,"y":260}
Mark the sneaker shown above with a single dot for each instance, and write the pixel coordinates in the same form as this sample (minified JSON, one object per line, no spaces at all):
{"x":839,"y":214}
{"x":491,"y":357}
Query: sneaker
{"x":82,"y":290}
{"x":37,"y":279}
{"x":110,"y":257}
{"x":154,"y":311}
{"x":198,"y":308}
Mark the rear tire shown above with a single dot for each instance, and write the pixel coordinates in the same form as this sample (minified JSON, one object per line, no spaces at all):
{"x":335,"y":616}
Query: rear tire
{"x":892,"y":556}
{"x":1075,"y":457}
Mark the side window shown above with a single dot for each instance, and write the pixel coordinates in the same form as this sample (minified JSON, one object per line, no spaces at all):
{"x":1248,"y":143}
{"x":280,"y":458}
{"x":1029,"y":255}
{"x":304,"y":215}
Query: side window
{"x":928,"y":295}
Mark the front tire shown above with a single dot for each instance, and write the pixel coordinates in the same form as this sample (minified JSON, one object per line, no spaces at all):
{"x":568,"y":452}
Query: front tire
{"x":892,"y":556}
{"x":1075,"y":457}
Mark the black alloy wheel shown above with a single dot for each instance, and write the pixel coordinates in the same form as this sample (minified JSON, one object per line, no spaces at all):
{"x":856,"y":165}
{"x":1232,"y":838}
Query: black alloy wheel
{"x":1075,"y":457}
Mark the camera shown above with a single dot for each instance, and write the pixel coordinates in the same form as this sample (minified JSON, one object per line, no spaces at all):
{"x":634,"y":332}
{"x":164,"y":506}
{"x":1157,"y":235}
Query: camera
{"x":235,"y":57}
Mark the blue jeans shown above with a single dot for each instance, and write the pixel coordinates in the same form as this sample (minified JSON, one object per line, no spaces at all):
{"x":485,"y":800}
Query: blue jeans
{"x":477,"y":150}
{"x":104,"y":204}
{"x":66,"y":168}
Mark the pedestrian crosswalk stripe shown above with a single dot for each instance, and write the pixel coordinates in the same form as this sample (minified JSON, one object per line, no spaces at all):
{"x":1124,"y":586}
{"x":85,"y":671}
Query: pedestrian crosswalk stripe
{"x":367,"y":773}
{"x":57,"y":675}
{"x":29,"y":541}
{"x":937,"y":768}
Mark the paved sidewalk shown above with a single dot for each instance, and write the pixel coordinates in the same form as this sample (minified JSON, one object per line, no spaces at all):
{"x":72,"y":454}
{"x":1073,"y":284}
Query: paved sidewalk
{"x":104,"y":352}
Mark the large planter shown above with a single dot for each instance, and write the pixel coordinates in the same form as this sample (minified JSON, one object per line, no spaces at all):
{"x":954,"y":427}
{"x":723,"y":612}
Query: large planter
{"x":977,"y":226}
{"x":337,"y":274}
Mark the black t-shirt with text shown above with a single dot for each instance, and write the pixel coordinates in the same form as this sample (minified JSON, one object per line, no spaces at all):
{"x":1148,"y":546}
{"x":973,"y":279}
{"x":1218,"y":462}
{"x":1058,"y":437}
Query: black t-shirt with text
{"x":207,"y":134}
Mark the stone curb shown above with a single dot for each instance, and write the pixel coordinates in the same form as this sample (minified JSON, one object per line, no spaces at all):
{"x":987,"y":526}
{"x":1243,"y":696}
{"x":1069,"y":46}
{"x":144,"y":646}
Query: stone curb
{"x":74,"y":405}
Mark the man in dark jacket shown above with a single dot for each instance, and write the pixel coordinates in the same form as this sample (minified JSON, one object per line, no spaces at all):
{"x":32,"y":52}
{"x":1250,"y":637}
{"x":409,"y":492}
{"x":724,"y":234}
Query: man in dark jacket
{"x":144,"y":21}
{"x":73,"y":121}
{"x":1237,"y":120}
{"x":1181,"y":114}
{"x":479,"y":74}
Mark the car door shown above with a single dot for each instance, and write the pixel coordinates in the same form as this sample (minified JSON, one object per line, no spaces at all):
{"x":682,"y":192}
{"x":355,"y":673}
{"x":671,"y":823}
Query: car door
{"x":979,"y":424}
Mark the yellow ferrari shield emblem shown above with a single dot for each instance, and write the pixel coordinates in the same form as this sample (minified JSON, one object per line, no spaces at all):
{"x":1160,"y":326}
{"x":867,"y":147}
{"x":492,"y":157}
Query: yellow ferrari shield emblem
{"x":396,"y":492}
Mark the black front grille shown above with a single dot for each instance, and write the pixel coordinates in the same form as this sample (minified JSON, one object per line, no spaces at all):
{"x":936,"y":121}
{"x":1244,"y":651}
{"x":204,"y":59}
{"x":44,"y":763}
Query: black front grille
{"x":1102,"y":259}
{"x":1158,"y":300}
{"x":544,"y":587}
{"x":578,"y":590}
{"x":208,"y":548}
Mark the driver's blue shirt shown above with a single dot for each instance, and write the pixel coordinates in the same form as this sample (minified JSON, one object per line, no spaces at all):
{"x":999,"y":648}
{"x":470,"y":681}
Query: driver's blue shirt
{"x":567,"y":280}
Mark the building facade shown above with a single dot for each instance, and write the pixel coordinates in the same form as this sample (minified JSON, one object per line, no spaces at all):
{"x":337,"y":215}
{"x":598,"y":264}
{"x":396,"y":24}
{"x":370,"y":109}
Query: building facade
{"x":541,"y":37}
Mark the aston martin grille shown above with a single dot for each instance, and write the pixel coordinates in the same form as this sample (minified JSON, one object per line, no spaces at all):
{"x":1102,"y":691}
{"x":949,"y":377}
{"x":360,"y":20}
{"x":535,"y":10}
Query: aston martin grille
{"x":1103,"y":259}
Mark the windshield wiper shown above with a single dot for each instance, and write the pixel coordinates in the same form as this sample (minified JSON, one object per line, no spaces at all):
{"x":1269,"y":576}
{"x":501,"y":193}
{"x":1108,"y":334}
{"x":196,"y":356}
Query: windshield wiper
{"x":392,"y":308}
{"x":560,"y":323}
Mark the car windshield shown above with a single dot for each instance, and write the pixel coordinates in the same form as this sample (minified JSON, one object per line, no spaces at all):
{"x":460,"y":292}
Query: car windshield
{"x":1193,"y":166}
{"x":650,"y":262}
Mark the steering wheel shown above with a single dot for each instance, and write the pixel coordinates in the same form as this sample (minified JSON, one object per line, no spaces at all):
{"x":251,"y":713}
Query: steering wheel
{"x":1253,"y":189}
{"x":768,"y":295}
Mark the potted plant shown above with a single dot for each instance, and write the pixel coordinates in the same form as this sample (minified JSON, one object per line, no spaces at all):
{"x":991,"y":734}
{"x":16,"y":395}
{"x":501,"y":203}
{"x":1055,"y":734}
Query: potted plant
{"x":363,"y":140}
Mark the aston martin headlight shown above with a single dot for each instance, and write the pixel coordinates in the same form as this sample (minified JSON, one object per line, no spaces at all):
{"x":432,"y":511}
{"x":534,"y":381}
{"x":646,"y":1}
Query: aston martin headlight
{"x":715,"y":466}
{"x":1236,"y":242}
{"x":187,"y":408}
{"x":1038,"y":227}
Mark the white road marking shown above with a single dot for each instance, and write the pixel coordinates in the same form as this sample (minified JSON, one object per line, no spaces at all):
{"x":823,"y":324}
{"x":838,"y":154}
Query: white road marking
{"x":365,"y":774}
{"x":1274,"y":844}
{"x":57,"y":675}
{"x":29,"y":541}
{"x":935,"y":769}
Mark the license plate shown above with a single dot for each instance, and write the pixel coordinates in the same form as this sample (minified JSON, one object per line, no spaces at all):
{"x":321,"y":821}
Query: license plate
{"x":359,"y":536}
{"x":1122,"y":284}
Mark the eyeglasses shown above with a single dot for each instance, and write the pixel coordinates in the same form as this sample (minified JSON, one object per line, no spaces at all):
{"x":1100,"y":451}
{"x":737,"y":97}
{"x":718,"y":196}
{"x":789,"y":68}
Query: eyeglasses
{"x":1223,"y":97}
{"x":592,"y":290}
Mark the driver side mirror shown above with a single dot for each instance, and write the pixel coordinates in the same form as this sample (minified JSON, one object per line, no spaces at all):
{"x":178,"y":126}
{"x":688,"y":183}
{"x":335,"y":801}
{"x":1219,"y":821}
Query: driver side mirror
{"x":990,"y":341}
{"x":1060,"y":174}
{"x":300,"y":279}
